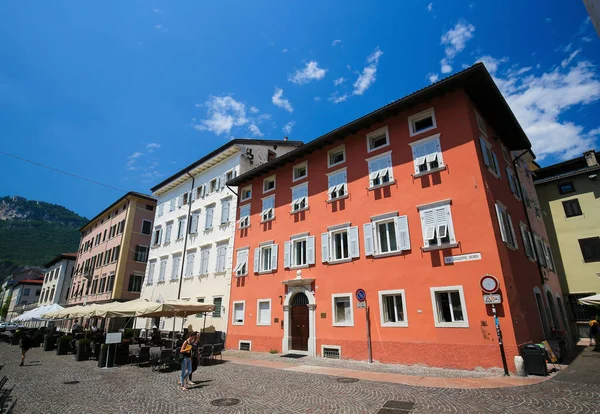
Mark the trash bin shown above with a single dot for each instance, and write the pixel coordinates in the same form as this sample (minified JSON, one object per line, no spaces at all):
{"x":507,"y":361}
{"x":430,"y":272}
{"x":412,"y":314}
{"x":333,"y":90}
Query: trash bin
{"x":535,"y":359}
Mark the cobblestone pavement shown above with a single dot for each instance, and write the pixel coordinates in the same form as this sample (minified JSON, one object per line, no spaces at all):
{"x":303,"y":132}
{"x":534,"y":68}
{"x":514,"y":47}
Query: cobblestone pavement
{"x":41,"y":388}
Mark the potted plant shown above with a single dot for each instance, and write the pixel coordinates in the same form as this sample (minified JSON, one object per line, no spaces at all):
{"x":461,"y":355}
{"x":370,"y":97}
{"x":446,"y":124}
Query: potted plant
{"x":104,"y":354}
{"x":83,"y":350}
{"x":64,"y":343}
{"x":49,"y":342}
{"x":38,"y":338}
{"x":127,"y":335}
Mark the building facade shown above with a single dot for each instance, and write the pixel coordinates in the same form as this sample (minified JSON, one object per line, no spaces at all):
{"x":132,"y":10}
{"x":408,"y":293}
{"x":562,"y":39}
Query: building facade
{"x":192,"y":241}
{"x":57,"y":279}
{"x":7,"y":287}
{"x":24,"y":296}
{"x":113,"y":251}
{"x":569,"y":194}
{"x":413,"y":204}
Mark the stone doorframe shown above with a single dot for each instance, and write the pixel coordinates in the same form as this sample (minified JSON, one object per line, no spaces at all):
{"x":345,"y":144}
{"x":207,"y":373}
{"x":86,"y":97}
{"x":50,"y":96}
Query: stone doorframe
{"x":300,"y":286}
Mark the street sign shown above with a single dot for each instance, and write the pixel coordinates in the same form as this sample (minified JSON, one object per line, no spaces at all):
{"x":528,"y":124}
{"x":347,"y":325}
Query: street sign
{"x":462,"y":258}
{"x":361,"y":295}
{"x":492,"y":299}
{"x":361,"y":305}
{"x":489,"y":284}
{"x":113,"y":338}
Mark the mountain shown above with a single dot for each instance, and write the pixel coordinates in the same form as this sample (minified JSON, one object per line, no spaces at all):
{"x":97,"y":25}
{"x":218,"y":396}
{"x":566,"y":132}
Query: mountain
{"x":33,"y":232}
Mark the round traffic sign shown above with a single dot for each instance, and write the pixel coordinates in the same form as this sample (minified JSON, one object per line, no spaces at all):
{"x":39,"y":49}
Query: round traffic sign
{"x":361,"y":295}
{"x":489,"y":284}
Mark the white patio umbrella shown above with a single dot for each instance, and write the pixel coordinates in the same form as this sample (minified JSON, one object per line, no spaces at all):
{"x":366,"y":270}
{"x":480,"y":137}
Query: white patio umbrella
{"x":593,"y":300}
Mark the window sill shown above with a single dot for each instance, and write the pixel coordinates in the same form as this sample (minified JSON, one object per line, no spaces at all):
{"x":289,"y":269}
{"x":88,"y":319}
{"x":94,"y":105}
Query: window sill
{"x":375,"y":187}
{"x":263,"y":324}
{"x":160,"y":282}
{"x":173,"y":280}
{"x":203,"y":274}
{"x":299,"y":210}
{"x":388,"y":254}
{"x":333,"y":200}
{"x":238,"y":323}
{"x":433,"y":170}
{"x":494,"y":173}
{"x":208,"y":229}
{"x":266,"y":272}
{"x":299,"y":267}
{"x":343,"y":325}
{"x":442,"y":247}
{"x":242,"y":228}
{"x":244,"y":275}
{"x":339,"y":261}
{"x":266,"y":221}
{"x":395,"y":325}
{"x":220,"y":273}
{"x":513,"y":248}
{"x":451,"y":324}
{"x":245,"y":199}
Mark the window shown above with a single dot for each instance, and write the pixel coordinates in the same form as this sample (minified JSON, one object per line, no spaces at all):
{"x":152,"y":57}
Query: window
{"x":343,"y":314}
{"x":386,"y":234}
{"x":506,"y":227}
{"x":539,"y":250}
{"x":299,"y":197}
{"x":26,"y":292}
{"x":590,"y":249}
{"x":168,"y":231}
{"x":175,"y":267}
{"x":229,"y":175}
{"x":200,"y":191}
{"x":195,"y":217}
{"x":160,"y":210}
{"x":449,"y":307}
{"x":110,"y":282}
{"x":527,"y":241}
{"x":225,"y":205}
{"x":214,"y":185}
{"x":513,"y":183}
{"x":185,"y":199}
{"x":549,"y":257}
{"x":300,"y":171}
{"x":427,"y":154}
{"x":181,"y":228}
{"x":115,"y":253}
{"x":189,"y":264}
{"x":218,"y":302}
{"x":246,"y":193}
{"x":489,"y":157}
{"x":268,"y":209}
{"x":480,"y":123}
{"x":566,"y":188}
{"x":162,"y":270}
{"x":299,"y":251}
{"x":265,"y":258}
{"x":141,"y":253}
{"x":241,"y":263}
{"x":269,"y":184}
{"x":436,"y":224}
{"x":336,"y":156}
{"x":337,"y":184}
{"x":221,"y":258}
{"x":393,"y":308}
{"x":200,"y":315}
{"x":238,"y":313}
{"x":572,"y":208}
{"x":263,"y":312}
{"x":155,"y":237}
{"x":204,"y":257}
{"x":210,"y":212}
{"x":421,"y":122}
{"x":172,"y":203}
{"x":380,"y":170}
{"x":506,"y":154}
{"x":377,"y":139}
{"x":244,"y":220}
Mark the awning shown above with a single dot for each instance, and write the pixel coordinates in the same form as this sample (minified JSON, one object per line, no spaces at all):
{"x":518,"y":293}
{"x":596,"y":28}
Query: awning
{"x":593,"y":300}
{"x":177,"y":308}
{"x":36,"y":314}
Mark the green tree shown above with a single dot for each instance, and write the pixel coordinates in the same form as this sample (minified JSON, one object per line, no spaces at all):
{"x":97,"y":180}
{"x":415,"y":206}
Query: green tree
{"x":4,"y":309}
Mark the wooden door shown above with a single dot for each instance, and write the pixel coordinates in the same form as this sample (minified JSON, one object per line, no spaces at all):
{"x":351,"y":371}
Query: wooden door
{"x":299,"y":321}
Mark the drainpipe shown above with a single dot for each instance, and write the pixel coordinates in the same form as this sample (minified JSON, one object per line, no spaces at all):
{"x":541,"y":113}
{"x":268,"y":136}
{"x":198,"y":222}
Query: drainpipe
{"x":539,"y":266}
{"x":185,"y":235}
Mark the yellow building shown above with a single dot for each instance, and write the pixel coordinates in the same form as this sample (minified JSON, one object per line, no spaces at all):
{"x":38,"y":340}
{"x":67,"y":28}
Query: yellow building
{"x":569,"y":196}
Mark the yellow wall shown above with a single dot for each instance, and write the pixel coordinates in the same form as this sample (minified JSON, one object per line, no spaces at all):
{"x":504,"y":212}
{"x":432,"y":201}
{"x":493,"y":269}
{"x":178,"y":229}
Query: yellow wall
{"x":576,"y":275}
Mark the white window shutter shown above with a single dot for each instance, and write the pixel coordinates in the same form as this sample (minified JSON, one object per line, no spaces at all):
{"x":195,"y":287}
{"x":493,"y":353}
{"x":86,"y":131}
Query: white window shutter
{"x":287,"y":247}
{"x":402,"y":233}
{"x":496,"y":163}
{"x":193,"y":194}
{"x":501,"y":223}
{"x":486,"y":159}
{"x":526,"y":245}
{"x":223,"y":181}
{"x":531,"y":245}
{"x":256,"y":260}
{"x":274,"y":256}
{"x":353,"y":242}
{"x":325,"y":247}
{"x":180,"y":200}
{"x":511,"y":181}
{"x":512,"y":231}
{"x":368,"y":236}
{"x":310,"y":250}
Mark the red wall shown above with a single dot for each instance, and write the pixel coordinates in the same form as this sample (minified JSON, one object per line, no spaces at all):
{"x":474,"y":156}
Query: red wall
{"x":470,"y":187}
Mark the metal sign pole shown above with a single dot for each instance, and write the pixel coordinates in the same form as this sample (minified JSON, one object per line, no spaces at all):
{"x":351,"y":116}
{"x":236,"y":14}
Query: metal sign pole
{"x":368,"y":332}
{"x":500,"y":343}
{"x":107,"y":355}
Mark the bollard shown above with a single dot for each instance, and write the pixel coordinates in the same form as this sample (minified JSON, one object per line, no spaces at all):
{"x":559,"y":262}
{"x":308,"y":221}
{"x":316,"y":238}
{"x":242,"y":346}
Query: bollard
{"x":520,"y":366}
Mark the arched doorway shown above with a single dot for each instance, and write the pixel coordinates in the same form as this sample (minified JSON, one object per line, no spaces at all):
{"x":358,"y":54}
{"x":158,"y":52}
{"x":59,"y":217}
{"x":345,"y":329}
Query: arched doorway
{"x":299,"y":322}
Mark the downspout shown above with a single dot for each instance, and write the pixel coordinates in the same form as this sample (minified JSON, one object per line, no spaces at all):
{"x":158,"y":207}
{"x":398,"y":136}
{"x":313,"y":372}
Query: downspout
{"x":539,"y":266}
{"x":185,"y":235}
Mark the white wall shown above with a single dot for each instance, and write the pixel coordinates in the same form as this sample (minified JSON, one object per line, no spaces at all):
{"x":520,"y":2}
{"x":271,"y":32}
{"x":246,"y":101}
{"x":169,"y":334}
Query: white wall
{"x":57,"y":277}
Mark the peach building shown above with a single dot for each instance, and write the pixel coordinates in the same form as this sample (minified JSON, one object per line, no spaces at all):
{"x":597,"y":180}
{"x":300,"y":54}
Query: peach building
{"x":413,"y":203}
{"x":112,"y":256}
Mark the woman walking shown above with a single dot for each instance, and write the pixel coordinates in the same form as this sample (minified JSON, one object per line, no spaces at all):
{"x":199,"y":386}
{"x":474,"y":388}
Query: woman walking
{"x":195,"y":355}
{"x":25,"y":345}
{"x":186,"y":360}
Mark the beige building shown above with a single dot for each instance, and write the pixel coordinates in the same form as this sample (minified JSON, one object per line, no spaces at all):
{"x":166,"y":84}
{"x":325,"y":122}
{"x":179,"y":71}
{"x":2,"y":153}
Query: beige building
{"x":569,"y":195}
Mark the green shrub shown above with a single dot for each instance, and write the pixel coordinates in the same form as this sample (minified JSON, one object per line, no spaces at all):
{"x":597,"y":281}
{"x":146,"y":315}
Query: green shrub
{"x":65,"y":339}
{"x":128,"y":334}
{"x":83,"y":342}
{"x":273,"y":351}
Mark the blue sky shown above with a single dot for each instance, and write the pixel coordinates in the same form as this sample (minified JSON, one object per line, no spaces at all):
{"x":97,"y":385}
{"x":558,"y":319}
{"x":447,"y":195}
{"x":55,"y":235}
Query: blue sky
{"x":126,"y":93}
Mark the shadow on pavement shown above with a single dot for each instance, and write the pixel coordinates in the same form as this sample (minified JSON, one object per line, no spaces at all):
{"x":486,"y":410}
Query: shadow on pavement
{"x":584,"y":368}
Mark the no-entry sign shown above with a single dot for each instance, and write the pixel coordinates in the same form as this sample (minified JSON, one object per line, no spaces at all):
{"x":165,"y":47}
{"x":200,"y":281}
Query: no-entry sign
{"x":489,"y":284}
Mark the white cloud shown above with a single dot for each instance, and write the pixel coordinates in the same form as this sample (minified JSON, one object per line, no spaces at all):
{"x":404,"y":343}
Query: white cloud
{"x":433,"y":77}
{"x":254,"y":109}
{"x":280,"y":102}
{"x":368,"y":75}
{"x":132,"y":161}
{"x":540,"y":103}
{"x":317,"y":99}
{"x":152,"y":146}
{"x":284,"y":50}
{"x":491,"y":63}
{"x":223,"y":113}
{"x":455,"y":41}
{"x":430,"y":7}
{"x":336,"y":42}
{"x":587,"y":39}
{"x":311,"y":72}
{"x":568,"y":60}
{"x":339,"y":81}
{"x":445,"y":67}
{"x":337,"y":98}
{"x":255,"y":130}
{"x":288,"y":127}
{"x":567,"y":48}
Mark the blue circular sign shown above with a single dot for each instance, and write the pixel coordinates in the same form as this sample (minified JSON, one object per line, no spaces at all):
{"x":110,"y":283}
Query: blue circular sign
{"x":361,"y":295}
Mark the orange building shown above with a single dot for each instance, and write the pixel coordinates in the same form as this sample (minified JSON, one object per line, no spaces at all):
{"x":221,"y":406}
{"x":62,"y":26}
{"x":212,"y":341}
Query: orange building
{"x":411,"y":203}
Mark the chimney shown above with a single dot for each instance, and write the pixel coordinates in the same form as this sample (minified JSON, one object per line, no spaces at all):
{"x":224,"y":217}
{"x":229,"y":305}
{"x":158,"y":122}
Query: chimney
{"x":590,"y":158}
{"x":285,"y":138}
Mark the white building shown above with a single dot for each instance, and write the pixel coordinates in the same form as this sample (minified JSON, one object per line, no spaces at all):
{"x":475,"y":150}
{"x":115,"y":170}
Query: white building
{"x":57,"y":279}
{"x":191,"y":252}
